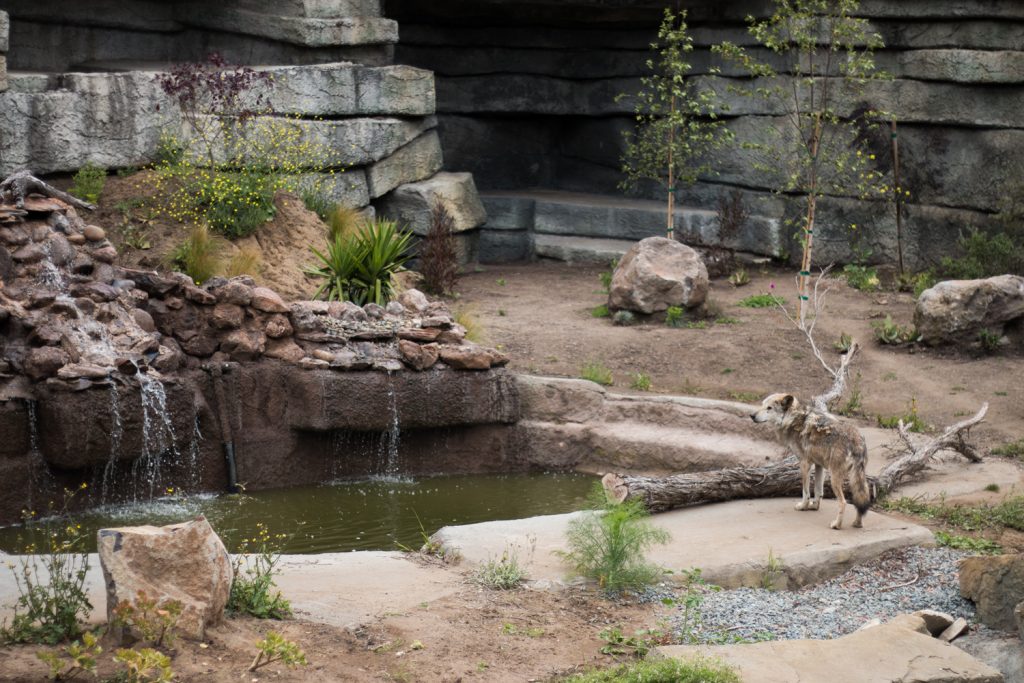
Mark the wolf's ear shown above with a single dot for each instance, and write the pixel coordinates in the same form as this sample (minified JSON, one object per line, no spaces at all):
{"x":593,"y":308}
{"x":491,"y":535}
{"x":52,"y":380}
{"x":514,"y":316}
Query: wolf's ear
{"x":787,"y":402}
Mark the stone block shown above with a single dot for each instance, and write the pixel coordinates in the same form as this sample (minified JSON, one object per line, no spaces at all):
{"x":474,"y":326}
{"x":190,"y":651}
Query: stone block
{"x":138,"y":15}
{"x":106,"y":119}
{"x":467,"y":246}
{"x":508,"y":212}
{"x":417,"y":160}
{"x":311,"y":32}
{"x":412,"y":204}
{"x":554,"y":62}
{"x":504,"y":246}
{"x":314,"y":9}
{"x":3,"y":73}
{"x":956,"y":65}
{"x":579,"y":249}
{"x":348,"y":188}
{"x":5,"y":31}
{"x":347,"y":142}
{"x":345,"y":89}
{"x":529,"y":94}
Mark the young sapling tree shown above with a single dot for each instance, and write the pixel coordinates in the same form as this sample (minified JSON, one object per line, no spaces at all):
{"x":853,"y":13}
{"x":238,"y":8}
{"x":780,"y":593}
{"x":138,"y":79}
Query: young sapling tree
{"x":820,"y":147}
{"x":677,"y":123}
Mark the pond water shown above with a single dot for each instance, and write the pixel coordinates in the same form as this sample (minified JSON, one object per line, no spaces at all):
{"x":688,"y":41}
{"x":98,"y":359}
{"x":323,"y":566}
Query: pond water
{"x":342,"y":516}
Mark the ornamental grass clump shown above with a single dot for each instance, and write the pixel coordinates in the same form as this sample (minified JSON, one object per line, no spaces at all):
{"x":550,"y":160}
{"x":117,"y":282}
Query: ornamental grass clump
{"x":609,"y":544}
{"x":360,"y":267}
{"x":253,"y":590}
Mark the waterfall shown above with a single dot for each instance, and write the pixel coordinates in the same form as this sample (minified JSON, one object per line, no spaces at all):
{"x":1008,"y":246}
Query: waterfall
{"x":50,"y":275}
{"x":193,"y":451}
{"x":389,"y":460}
{"x":158,"y":439}
{"x":116,"y":432}
{"x":40,"y":478}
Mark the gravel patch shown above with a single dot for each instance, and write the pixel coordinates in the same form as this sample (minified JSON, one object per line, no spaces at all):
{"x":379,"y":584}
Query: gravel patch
{"x":897,"y":582}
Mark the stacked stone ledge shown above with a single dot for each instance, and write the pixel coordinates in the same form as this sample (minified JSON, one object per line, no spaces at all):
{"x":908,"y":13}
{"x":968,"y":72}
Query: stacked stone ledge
{"x":74,"y":317}
{"x":5,"y":24}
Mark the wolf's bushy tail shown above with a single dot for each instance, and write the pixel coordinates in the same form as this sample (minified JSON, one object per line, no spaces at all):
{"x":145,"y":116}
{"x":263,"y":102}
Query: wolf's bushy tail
{"x":860,"y":489}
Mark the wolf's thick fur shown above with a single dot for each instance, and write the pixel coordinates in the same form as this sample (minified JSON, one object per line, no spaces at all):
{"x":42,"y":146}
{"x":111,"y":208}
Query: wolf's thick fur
{"x":821,"y":440}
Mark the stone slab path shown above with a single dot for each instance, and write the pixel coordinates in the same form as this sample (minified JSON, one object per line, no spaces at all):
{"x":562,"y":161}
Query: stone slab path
{"x":891,"y":652}
{"x":730,"y":542}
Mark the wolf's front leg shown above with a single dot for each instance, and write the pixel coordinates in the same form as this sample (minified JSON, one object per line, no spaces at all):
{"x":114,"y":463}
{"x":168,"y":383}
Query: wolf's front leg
{"x":805,"y":472}
{"x":819,"y":487}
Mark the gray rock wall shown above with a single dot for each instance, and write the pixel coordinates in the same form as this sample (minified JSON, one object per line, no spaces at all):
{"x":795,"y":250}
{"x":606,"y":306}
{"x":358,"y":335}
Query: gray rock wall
{"x":526,"y":99}
{"x":50,"y":35}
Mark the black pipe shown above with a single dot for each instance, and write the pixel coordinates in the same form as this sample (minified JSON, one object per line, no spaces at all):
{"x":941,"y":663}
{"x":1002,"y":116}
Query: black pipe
{"x":229,"y":455}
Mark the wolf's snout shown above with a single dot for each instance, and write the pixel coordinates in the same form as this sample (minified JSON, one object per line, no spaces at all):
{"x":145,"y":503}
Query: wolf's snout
{"x":753,"y":417}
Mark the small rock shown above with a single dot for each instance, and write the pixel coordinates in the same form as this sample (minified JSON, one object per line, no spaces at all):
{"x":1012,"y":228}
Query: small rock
{"x":169,"y":356}
{"x":313,"y":364}
{"x":937,"y":622}
{"x":76,"y":238}
{"x":200,"y":345}
{"x":955,"y":630}
{"x":82,"y":371}
{"x":234,"y":292}
{"x":466,"y":357}
{"x":323,"y":354}
{"x":442,"y":321}
{"x":105,"y":254}
{"x":336,"y":309}
{"x":82,"y":265}
{"x":227,"y":316}
{"x":278,"y":326}
{"x":418,"y":356}
{"x":61,"y":251}
{"x":284,"y":349}
{"x":422,"y":335}
{"x":268,"y":301}
{"x":244,"y":345}
{"x":40,"y":298}
{"x":143,"y":321}
{"x":14,"y":235}
{"x":94,"y":233}
{"x":388,"y":365}
{"x":198,"y":295}
{"x":394,"y":308}
{"x":126,"y":366}
{"x":453,"y":335}
{"x":30,"y":253}
{"x":414,"y":299}
{"x":44,"y":362}
{"x":355,"y":314}
{"x":374,"y":311}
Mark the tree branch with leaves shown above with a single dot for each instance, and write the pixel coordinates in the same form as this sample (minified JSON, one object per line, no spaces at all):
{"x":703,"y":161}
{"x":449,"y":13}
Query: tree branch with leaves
{"x":820,"y":146}
{"x":677,"y":124}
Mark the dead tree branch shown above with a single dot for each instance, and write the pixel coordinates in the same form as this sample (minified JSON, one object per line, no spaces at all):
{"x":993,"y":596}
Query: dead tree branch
{"x":775,"y":480}
{"x":22,"y":183}
{"x":839,"y":374}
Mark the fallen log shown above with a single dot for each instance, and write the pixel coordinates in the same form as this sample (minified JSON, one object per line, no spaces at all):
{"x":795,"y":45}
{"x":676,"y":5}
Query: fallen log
{"x":19,"y":185}
{"x":779,"y":479}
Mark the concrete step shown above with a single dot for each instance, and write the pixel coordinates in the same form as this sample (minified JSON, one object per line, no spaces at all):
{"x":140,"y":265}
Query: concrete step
{"x":613,"y":217}
{"x":580,"y":249}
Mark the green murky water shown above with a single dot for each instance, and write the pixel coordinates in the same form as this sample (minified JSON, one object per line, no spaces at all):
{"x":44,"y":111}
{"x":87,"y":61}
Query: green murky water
{"x":366,"y":515}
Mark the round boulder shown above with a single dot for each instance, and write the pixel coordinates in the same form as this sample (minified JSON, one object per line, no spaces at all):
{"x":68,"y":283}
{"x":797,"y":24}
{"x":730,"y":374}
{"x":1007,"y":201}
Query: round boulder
{"x":186,"y":562}
{"x":657,"y":273}
{"x":956,"y":311}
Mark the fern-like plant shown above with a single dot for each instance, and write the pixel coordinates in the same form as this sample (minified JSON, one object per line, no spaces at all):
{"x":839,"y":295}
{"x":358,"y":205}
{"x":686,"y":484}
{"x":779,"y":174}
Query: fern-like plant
{"x":358,"y":267}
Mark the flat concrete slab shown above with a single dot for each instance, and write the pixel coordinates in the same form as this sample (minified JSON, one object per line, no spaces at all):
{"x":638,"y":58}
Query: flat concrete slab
{"x":340,"y":589}
{"x":891,"y":652}
{"x":729,"y":542}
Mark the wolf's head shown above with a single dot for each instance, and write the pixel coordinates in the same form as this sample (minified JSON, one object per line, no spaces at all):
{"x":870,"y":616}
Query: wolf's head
{"x":774,"y":408}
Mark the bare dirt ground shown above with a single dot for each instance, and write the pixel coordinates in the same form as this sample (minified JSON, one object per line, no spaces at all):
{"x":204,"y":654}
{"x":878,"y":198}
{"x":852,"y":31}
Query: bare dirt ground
{"x":474,"y":635}
{"x":540,"y":315}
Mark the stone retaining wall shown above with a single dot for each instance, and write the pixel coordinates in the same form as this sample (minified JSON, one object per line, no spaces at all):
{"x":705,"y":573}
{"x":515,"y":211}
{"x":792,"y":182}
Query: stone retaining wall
{"x":526,"y":99}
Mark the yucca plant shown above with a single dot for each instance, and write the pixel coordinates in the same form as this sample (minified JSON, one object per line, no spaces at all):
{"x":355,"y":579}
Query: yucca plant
{"x":358,"y":267}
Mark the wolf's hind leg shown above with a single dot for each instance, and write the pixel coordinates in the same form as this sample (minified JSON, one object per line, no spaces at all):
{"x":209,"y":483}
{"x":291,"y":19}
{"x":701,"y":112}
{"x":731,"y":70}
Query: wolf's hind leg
{"x":837,"y":489}
{"x":805,"y":471}
{"x":819,"y":487}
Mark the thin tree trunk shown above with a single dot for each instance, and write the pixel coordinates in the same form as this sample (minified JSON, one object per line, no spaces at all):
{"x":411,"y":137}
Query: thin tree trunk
{"x":669,"y":224}
{"x":899,"y":196}
{"x":776,"y":480}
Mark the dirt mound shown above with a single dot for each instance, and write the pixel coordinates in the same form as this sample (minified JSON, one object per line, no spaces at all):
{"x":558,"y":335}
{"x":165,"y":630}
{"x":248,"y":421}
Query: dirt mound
{"x":148,"y":242}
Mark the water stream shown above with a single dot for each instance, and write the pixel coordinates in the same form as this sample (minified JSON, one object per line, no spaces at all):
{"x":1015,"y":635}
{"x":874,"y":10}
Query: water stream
{"x":159,"y":444}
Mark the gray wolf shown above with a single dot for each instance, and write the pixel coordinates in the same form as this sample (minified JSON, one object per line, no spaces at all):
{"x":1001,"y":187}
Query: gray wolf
{"x":821,"y":440}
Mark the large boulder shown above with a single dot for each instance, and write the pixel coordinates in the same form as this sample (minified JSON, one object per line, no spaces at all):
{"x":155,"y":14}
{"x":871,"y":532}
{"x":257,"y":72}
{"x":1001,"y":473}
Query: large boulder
{"x":955,"y":311}
{"x":996,"y":585}
{"x":186,"y":562}
{"x":657,"y":273}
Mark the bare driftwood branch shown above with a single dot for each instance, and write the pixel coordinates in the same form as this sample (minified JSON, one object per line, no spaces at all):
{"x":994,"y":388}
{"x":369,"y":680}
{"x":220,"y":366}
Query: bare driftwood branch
{"x":839,"y":374}
{"x":778,"y":479}
{"x":22,"y":183}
